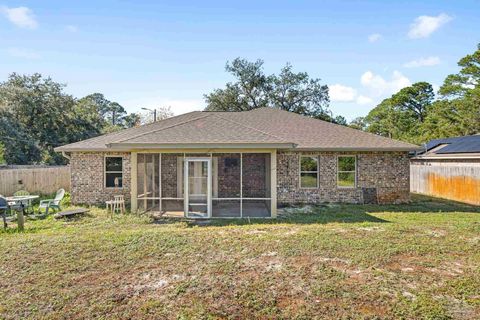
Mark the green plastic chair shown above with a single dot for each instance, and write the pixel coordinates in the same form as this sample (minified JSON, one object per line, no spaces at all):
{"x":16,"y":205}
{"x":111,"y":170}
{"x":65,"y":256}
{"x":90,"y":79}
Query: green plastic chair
{"x":52,"y":203}
{"x":21,"y":193}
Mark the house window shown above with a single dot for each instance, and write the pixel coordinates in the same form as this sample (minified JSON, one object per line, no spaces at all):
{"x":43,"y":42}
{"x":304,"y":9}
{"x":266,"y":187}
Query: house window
{"x":113,"y":172}
{"x":346,"y":171}
{"x":308,"y":172}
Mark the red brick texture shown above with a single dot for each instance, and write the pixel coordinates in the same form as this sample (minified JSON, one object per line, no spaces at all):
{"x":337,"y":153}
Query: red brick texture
{"x":87,"y":178}
{"x":382,"y":177}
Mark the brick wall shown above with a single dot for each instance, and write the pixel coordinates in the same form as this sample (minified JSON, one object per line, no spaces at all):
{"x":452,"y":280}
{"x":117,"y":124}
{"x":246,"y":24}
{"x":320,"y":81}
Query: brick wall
{"x":87,"y":178}
{"x":382,"y":177}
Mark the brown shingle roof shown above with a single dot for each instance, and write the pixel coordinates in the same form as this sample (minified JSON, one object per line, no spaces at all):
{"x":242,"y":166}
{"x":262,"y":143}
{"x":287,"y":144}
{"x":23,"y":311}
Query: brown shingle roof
{"x":264,"y":126}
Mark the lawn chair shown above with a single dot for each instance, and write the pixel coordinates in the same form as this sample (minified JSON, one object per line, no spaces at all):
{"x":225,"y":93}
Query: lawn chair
{"x":4,"y":209}
{"x":52,"y":203}
{"x":28,"y":206}
{"x":117,"y":204}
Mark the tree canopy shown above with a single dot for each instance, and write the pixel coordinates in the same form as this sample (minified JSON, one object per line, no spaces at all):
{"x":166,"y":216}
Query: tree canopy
{"x":414,"y":114}
{"x":36,"y":115}
{"x":401,"y":116}
{"x":252,"y":88}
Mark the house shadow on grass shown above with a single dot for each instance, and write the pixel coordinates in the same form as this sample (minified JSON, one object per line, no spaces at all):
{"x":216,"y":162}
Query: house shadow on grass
{"x":321,"y":214}
{"x":347,"y":213}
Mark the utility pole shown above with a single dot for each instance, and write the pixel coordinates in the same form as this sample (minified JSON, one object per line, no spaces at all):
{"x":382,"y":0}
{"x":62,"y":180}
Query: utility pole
{"x":154,"y":113}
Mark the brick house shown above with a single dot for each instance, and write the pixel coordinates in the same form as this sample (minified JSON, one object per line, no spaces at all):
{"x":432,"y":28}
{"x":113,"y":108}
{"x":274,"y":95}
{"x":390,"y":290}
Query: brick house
{"x":238,"y":164}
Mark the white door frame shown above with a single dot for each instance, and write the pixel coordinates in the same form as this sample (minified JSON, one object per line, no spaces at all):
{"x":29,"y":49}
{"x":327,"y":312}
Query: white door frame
{"x":209,"y":184}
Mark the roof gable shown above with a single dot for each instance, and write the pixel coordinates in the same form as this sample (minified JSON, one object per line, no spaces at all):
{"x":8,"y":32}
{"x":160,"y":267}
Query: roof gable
{"x":259,"y":126}
{"x":310,"y":133}
{"x":210,"y":128}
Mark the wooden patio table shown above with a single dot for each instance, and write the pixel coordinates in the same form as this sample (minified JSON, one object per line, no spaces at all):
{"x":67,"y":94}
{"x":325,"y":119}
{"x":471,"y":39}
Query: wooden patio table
{"x":21,"y":201}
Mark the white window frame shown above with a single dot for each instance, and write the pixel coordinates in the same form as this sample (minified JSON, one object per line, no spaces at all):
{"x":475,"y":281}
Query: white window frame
{"x":300,"y":171}
{"x":355,"y":172}
{"x":105,"y":172}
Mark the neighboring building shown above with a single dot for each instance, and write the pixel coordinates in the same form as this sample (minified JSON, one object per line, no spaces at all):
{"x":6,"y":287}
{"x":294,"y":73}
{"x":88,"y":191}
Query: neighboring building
{"x":449,"y":168}
{"x":238,"y":164}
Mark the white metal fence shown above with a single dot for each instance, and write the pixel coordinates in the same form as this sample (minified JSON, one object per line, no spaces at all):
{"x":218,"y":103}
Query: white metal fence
{"x":34,"y":179}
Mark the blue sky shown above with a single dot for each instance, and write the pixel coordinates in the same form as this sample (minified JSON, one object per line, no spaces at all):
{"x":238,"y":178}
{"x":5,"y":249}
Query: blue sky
{"x":159,"y":53}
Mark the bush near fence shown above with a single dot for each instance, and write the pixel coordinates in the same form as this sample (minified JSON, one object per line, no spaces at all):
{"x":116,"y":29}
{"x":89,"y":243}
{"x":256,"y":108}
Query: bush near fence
{"x":34,"y":179}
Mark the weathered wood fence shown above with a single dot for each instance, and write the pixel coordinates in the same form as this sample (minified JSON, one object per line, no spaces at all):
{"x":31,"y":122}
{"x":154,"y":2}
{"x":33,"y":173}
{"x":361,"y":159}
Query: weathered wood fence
{"x":449,"y":180}
{"x":34,"y":179}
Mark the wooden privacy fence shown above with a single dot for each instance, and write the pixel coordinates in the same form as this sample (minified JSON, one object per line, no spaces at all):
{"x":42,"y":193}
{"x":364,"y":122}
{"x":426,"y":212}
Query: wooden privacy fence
{"x":34,"y":179}
{"x":450,"y":180}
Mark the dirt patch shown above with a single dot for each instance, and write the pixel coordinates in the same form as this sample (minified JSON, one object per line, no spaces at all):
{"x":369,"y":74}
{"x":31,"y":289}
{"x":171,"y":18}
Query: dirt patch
{"x":370,"y":229}
{"x":375,"y":310}
{"x":290,"y":304}
{"x":416,"y":264}
{"x":266,"y":262}
{"x":458,"y":309}
{"x":436,"y":233}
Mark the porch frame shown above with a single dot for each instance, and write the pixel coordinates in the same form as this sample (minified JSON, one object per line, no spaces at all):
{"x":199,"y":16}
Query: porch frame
{"x":273,"y":173}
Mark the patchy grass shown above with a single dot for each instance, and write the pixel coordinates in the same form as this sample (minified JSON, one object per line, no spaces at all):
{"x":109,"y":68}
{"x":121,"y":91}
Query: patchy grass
{"x":365,"y":262}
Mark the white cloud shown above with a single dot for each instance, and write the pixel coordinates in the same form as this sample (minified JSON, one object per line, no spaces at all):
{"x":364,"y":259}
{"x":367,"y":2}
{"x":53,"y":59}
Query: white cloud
{"x":71,"y":28}
{"x":374,"y":37}
{"x":378,"y":86}
{"x":22,"y":17}
{"x":424,"y":26}
{"x":363,"y":100}
{"x":342,"y":93}
{"x":423,"y":62}
{"x":23,"y":53}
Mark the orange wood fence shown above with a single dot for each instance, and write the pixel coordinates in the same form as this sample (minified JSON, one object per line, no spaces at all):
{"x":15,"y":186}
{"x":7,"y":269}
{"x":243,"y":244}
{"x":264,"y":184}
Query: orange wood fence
{"x":455,"y":181}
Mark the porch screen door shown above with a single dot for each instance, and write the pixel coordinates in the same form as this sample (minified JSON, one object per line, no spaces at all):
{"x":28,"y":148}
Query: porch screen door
{"x":198,"y":187}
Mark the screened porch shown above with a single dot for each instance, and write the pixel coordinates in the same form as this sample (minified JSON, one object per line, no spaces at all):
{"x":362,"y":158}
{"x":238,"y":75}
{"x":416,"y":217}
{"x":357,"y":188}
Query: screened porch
{"x":205,"y":185}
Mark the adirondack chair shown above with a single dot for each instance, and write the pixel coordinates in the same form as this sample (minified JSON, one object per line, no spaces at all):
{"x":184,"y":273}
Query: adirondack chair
{"x":52,"y":203}
{"x":28,"y":205}
{"x":21,"y":193}
{"x":3,"y":210}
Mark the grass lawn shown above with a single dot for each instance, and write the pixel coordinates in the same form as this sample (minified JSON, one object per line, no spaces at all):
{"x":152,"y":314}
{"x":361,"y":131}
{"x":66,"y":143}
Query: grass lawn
{"x":420,"y":260}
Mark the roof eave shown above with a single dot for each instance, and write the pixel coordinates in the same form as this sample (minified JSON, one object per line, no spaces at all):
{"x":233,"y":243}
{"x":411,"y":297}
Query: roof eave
{"x":449,"y":157}
{"x":371,"y":149}
{"x":76,"y":149}
{"x":287,"y":145}
{"x":253,"y":145}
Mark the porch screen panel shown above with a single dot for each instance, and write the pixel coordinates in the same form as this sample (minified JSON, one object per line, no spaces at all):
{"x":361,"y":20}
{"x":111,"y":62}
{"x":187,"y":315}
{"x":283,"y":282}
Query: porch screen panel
{"x":256,"y":185}
{"x":148,"y":196}
{"x":256,"y":175}
{"x":140,"y":175}
{"x":171,"y":179}
{"x":222,"y":208}
{"x":255,"y":208}
{"x":226,"y":185}
{"x":141,"y":203}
